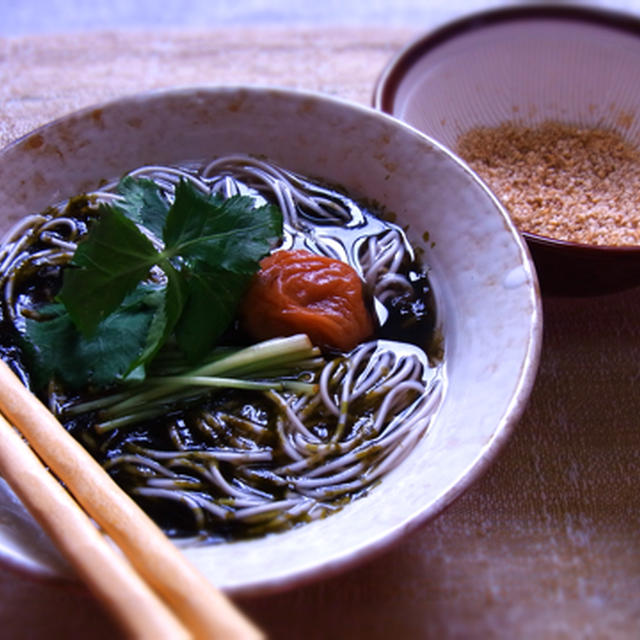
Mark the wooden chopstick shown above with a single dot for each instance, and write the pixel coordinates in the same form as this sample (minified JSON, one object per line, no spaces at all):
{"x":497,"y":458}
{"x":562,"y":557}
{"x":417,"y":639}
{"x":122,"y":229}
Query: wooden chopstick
{"x":106,"y":572}
{"x":200,"y":607}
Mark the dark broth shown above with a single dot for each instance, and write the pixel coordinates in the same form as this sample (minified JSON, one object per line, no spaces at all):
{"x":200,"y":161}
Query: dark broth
{"x":235,"y":420}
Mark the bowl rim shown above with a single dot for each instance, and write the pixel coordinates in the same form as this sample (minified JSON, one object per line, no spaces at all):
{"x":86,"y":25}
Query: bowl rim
{"x":388,"y":81}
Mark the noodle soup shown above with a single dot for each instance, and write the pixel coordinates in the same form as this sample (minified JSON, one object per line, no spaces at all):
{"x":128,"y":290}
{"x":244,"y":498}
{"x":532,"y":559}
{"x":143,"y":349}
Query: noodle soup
{"x":279,"y":423}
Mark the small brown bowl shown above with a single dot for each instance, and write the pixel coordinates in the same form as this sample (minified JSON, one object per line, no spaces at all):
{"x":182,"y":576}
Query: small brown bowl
{"x":572,"y":269}
{"x":529,"y":65}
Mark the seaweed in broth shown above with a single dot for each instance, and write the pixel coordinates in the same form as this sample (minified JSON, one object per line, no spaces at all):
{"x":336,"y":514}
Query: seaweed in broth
{"x":243,"y":463}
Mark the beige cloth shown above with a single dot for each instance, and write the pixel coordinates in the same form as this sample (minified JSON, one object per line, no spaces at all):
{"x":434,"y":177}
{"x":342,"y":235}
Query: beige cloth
{"x":44,"y":78}
{"x":545,"y":545}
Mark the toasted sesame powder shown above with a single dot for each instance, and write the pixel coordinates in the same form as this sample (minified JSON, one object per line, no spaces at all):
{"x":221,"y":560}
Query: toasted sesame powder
{"x":561,"y":181}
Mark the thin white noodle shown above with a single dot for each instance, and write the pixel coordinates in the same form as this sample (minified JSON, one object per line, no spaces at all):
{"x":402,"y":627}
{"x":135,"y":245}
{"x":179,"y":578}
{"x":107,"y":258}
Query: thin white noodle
{"x":267,"y":508}
{"x":140,"y":461}
{"x":358,"y":449}
{"x":226,"y":455}
{"x":218,"y":479}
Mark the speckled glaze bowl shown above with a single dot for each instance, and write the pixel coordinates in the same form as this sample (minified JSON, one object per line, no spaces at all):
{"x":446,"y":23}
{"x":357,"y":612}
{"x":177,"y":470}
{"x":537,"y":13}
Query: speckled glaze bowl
{"x":528,"y":64}
{"x":485,"y":286}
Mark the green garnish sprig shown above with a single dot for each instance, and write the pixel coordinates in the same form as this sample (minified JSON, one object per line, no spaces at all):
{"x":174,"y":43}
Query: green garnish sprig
{"x":111,"y":318}
{"x":257,"y":367}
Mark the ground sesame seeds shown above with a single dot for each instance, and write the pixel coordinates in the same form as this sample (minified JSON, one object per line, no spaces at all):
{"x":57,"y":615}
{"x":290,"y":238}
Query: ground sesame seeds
{"x":561,"y":181}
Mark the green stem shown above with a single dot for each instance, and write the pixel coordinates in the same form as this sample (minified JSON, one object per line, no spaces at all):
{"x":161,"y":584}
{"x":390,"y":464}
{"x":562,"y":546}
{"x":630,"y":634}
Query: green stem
{"x":256,"y":358}
{"x":237,"y":383}
{"x":270,"y":362}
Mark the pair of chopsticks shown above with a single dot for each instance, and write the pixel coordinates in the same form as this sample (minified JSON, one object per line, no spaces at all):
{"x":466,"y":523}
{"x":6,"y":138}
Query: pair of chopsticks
{"x":148,"y":585}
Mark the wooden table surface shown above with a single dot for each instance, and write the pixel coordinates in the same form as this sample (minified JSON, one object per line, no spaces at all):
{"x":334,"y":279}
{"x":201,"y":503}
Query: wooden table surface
{"x":545,"y":545}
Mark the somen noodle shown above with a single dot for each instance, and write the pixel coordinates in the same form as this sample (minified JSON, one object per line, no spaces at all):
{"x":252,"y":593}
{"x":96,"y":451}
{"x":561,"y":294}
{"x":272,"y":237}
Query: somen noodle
{"x":210,"y":461}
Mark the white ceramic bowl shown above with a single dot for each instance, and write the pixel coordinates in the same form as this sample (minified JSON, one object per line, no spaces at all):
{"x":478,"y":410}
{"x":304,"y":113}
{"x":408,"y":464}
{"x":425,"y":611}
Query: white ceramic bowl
{"x":485,"y":285}
{"x":528,"y":64}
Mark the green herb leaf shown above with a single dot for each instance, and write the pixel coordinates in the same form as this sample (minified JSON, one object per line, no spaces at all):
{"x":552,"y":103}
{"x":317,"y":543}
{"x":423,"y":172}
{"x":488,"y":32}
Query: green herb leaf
{"x":212,"y":298}
{"x":143,"y":203}
{"x":113,"y":259}
{"x":111,"y":352}
{"x":212,"y":248}
{"x":167,"y":313}
{"x":224,"y":234}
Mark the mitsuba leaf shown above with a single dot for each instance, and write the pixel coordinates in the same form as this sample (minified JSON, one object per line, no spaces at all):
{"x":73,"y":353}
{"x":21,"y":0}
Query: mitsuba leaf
{"x":230,"y":234}
{"x":143,"y":203}
{"x":113,"y":259}
{"x":212,"y":298}
{"x":113,"y":324}
{"x":167,"y":314}
{"x":108,"y":355}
